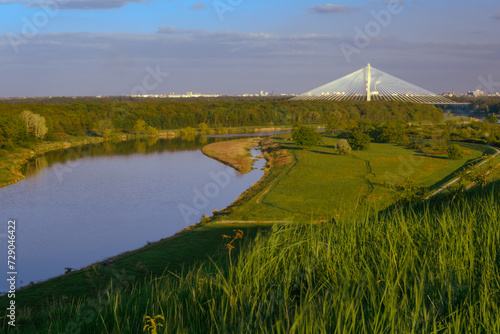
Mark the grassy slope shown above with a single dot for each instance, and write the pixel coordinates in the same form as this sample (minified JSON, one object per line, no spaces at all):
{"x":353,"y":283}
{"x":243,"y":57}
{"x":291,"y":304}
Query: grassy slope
{"x":321,"y":184}
{"x":433,"y":268}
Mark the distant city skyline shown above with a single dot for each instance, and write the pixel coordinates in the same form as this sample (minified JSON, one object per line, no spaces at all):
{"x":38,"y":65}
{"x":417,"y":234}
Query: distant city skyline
{"x":137,"y":47}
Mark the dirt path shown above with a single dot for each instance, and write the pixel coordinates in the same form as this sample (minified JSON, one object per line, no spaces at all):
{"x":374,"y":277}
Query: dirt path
{"x":264,"y":194}
{"x":251,"y":221}
{"x":275,"y":182}
{"x":369,"y":171}
{"x":452,"y":182}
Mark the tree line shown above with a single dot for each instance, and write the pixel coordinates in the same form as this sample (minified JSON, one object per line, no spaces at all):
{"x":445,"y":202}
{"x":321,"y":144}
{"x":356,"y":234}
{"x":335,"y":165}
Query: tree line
{"x":96,"y":118}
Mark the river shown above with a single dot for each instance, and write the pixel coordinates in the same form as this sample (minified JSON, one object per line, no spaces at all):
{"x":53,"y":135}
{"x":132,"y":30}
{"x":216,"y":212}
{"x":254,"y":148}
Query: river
{"x":83,"y":205}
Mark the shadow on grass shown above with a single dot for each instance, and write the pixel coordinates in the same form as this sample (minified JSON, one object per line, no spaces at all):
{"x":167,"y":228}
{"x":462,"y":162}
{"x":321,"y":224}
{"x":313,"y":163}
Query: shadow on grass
{"x":439,"y":201}
{"x":323,"y":152}
{"x":291,"y":147}
{"x":453,"y":175}
{"x":331,"y":147}
{"x":420,"y":154}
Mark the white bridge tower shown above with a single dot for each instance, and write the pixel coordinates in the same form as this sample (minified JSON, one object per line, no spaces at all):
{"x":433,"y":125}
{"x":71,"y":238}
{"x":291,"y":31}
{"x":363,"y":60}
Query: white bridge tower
{"x":368,"y":83}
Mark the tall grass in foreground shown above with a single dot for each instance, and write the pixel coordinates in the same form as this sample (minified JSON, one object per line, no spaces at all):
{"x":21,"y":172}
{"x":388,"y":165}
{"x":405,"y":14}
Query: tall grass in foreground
{"x":428,"y":269}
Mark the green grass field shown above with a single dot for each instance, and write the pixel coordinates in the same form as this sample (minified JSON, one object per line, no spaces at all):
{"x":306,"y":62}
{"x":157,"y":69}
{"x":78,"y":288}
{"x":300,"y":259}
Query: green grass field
{"x":320,"y":184}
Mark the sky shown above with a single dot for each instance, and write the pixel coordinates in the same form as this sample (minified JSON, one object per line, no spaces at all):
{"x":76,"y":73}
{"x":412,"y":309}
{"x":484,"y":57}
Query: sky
{"x":122,"y":47}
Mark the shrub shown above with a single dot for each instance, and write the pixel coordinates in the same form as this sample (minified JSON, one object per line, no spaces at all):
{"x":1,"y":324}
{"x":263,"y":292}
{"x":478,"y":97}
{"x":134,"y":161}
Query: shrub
{"x":203,"y":128}
{"x":359,"y":140}
{"x":455,"y":152}
{"x":140,"y":126}
{"x":221,"y":130}
{"x":152,"y":131}
{"x":492,"y":119}
{"x":7,"y":145}
{"x":106,"y":134}
{"x":305,"y":136}
{"x":187,"y":131}
{"x":414,"y":145}
{"x":343,"y":147}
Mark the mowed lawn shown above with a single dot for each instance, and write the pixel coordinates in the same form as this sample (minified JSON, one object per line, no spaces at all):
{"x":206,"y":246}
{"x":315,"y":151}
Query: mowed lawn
{"x":321,"y":184}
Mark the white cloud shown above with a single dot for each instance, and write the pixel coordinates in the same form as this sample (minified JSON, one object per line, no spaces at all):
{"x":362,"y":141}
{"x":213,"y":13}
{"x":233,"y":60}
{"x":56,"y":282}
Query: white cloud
{"x":73,"y":4}
{"x":231,"y":35}
{"x":332,"y":9}
{"x":198,"y":5}
{"x":398,"y":2}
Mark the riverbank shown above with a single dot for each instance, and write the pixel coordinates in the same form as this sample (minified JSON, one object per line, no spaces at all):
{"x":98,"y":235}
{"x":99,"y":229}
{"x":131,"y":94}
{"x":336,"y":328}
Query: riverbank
{"x":234,"y":153}
{"x":11,"y":164}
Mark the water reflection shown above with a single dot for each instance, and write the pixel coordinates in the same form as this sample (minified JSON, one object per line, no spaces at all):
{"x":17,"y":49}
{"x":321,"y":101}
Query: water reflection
{"x":121,"y":148}
{"x":36,"y":165}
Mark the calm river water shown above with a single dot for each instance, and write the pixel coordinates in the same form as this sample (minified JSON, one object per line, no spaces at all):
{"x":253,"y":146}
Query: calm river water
{"x":82,"y":205}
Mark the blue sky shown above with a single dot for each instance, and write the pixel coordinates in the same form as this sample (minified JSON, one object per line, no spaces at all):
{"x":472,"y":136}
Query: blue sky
{"x":105,"y":47}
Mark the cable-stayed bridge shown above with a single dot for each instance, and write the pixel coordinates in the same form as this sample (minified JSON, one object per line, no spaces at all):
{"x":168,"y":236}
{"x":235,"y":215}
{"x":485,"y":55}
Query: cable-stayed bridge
{"x":370,"y":84}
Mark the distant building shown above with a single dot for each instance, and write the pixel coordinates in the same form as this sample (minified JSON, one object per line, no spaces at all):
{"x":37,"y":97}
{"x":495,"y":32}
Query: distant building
{"x":476,"y":93}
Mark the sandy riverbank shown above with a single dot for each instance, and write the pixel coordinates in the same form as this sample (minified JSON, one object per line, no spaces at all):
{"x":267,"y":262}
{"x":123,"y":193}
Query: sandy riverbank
{"x":234,"y":153}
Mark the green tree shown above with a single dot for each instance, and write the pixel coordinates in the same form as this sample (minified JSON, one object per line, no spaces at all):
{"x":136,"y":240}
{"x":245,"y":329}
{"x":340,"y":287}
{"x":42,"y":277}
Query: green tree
{"x":305,"y":137}
{"x":455,"y":152}
{"x":495,"y":108}
{"x":106,"y":134}
{"x":203,"y":128}
{"x":27,"y":117}
{"x":333,"y":121}
{"x":439,"y":141}
{"x":103,"y":125}
{"x":221,"y":130}
{"x":359,"y":140}
{"x":34,"y":124}
{"x":388,"y":133}
{"x":483,"y":107}
{"x":140,"y":126}
{"x":152,"y":131}
{"x":40,"y":127}
{"x":492,"y":119}
{"x":188,"y":131}
{"x":343,"y":147}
